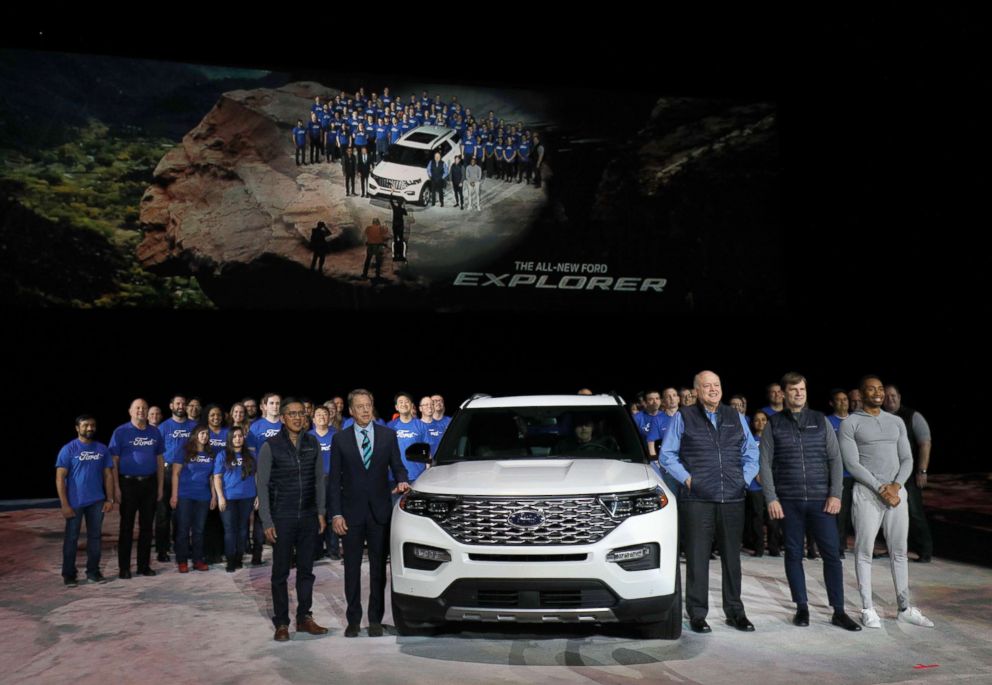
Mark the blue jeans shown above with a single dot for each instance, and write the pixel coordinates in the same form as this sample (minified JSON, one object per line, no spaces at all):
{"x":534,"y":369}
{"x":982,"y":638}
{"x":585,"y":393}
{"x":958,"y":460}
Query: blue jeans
{"x":235,"y":518}
{"x":93,"y":513}
{"x":800,"y":516}
{"x":191,"y":516}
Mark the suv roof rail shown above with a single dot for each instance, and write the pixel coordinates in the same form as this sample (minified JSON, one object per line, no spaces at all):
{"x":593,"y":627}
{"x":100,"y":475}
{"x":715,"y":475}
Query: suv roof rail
{"x":473,"y":397}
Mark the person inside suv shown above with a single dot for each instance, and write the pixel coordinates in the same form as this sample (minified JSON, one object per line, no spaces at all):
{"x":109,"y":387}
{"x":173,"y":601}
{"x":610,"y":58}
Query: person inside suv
{"x":586,"y":437}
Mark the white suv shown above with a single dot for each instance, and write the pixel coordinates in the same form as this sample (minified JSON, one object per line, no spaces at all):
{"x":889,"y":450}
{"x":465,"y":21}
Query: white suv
{"x":538,"y":509}
{"x":403,"y":171}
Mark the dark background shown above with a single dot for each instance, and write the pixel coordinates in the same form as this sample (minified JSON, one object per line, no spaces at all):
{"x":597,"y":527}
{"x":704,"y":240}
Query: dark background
{"x":883,"y":267}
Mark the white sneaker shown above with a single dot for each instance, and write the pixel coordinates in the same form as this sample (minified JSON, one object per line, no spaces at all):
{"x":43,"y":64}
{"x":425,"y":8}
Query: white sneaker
{"x":870,"y":618}
{"x":913,"y":615}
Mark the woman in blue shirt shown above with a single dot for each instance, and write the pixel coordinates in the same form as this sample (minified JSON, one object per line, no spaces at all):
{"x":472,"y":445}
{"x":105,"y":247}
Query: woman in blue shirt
{"x":192,"y":498}
{"x":234,"y":484}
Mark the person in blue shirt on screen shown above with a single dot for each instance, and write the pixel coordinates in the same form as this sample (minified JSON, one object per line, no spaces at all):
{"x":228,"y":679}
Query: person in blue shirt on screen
{"x":84,"y":480}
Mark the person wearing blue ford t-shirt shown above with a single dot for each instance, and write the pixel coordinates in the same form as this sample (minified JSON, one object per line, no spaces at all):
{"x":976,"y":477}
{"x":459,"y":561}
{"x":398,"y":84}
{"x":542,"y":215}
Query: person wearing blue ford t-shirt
{"x":327,"y":542}
{"x":84,"y":479}
{"x":175,"y":432}
{"x":234,"y":486}
{"x":192,"y":498}
{"x":409,"y":430}
{"x":381,"y":139}
{"x":299,"y":136}
{"x":314,"y":133}
{"x":139,"y":468}
{"x":709,"y":448}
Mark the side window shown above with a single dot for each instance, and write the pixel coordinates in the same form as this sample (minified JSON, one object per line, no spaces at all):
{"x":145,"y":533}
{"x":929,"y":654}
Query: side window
{"x":457,"y":138}
{"x":445,"y":149}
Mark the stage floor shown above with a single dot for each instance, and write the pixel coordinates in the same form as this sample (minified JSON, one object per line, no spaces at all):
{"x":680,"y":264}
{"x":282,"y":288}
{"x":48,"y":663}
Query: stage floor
{"x":215,"y":627}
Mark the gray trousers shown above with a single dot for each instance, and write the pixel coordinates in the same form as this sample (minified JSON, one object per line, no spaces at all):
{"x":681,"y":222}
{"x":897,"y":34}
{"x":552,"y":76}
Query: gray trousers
{"x":870,"y":513}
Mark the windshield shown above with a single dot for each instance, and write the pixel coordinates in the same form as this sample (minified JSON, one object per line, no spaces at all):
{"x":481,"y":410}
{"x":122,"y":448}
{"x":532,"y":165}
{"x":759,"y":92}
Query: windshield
{"x":409,"y":156}
{"x":541,"y":432}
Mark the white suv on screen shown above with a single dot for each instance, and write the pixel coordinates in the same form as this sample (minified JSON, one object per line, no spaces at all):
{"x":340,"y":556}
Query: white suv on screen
{"x":539,"y":509}
{"x":403,"y":171}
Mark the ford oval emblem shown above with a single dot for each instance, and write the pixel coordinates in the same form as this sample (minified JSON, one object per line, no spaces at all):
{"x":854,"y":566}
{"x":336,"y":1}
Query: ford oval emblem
{"x":526,"y":518}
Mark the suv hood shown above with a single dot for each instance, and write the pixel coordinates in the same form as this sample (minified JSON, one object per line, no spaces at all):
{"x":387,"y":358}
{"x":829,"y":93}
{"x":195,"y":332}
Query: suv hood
{"x":533,"y":477}
{"x":400,"y":172}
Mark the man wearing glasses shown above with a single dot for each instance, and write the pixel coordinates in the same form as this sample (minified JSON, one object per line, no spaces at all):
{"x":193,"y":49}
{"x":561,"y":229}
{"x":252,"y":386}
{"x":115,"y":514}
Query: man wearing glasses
{"x":290,"y":480}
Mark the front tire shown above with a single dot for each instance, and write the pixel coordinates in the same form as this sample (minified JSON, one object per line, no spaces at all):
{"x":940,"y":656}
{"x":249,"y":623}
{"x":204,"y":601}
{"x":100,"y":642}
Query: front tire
{"x":669,"y":628}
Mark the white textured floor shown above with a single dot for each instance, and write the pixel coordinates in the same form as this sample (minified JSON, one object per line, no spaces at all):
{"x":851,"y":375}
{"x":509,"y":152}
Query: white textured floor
{"x":215,"y":628}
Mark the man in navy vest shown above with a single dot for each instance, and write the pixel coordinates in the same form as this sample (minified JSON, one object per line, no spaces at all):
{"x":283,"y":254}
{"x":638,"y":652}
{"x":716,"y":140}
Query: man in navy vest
{"x":437,"y":171}
{"x":290,"y":482}
{"x":709,"y":449}
{"x":802,"y":476}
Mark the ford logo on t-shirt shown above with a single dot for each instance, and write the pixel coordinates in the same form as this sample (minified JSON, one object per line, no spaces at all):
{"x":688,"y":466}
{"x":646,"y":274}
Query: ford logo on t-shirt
{"x":526,"y":518}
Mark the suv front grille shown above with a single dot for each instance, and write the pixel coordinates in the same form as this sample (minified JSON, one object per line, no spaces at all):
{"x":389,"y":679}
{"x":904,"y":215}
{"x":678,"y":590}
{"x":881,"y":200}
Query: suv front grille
{"x":566,"y":521}
{"x":389,"y":183}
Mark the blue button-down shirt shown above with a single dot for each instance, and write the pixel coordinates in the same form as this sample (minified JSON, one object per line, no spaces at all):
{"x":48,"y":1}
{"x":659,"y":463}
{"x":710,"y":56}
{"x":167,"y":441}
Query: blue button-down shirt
{"x":370,"y":429}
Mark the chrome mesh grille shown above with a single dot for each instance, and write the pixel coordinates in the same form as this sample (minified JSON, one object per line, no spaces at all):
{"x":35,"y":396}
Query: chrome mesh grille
{"x":390,"y":183}
{"x":567,"y":521}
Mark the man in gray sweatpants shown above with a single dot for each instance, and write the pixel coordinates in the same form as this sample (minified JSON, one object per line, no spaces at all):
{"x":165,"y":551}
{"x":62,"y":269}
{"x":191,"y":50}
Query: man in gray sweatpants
{"x":876,"y":452}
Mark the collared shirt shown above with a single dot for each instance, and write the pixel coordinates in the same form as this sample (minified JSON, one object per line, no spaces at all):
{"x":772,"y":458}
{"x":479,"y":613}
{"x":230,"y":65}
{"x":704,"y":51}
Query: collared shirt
{"x":370,"y":429}
{"x":669,"y":457}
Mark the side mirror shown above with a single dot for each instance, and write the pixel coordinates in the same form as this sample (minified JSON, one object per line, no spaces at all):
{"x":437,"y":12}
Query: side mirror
{"x":419,"y":452}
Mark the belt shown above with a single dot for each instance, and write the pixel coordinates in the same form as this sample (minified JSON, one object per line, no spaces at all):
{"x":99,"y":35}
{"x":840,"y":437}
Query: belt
{"x":136,"y":477}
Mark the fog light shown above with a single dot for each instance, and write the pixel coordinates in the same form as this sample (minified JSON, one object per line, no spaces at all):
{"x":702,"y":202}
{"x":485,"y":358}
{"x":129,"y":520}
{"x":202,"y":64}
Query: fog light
{"x":430,"y":553}
{"x":628,"y":554}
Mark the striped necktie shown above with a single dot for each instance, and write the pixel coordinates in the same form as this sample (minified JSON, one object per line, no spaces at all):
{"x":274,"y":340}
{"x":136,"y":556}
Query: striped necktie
{"x":366,"y":448}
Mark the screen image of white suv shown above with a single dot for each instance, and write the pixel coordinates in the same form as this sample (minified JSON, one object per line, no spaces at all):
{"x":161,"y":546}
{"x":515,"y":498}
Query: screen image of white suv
{"x":403,"y":171}
{"x":537,"y":509}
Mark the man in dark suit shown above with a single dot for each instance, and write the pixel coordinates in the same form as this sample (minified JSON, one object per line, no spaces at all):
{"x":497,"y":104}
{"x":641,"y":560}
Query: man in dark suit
{"x":364,"y":169}
{"x":349,"y":166}
{"x":361,"y":506}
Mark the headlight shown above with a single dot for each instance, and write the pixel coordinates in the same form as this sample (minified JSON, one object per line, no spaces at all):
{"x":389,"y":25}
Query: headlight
{"x":436,"y":507}
{"x":413,"y":183}
{"x":625,"y":504}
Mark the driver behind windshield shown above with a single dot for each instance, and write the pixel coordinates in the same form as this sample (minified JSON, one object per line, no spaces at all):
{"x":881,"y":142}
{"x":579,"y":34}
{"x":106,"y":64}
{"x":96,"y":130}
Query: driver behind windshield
{"x":586,"y":438}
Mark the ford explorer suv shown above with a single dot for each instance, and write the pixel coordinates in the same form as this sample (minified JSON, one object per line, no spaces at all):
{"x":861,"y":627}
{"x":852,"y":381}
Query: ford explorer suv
{"x":403,"y":171}
{"x":540,"y":509}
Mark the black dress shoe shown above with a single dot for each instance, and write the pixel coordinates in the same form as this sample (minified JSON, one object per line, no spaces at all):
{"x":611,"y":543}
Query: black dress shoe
{"x":164,"y":558}
{"x":741,"y":623}
{"x":124,"y":575}
{"x":844,"y":621}
{"x":147,"y":572}
{"x":699,"y":625}
{"x":375,"y":630}
{"x":70,"y":581}
{"x":351,"y":630}
{"x":801,"y":618}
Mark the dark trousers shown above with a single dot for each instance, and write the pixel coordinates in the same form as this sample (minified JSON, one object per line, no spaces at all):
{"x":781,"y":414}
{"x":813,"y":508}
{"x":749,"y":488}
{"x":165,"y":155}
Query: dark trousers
{"x":315,"y":149}
{"x":700,"y":523}
{"x":191,"y":519}
{"x":373,"y":251}
{"x":93,"y":515}
{"x":331,"y":543}
{"x":757,"y":519}
{"x":537,"y":175}
{"x":164,"y":518}
{"x":318,"y":261}
{"x":301,"y":155}
{"x":349,"y":184}
{"x":376,"y":537}
{"x":213,"y":537}
{"x":437,"y":188}
{"x":459,"y":197}
{"x":293,"y":534}
{"x":801,"y":517}
{"x":235,"y":518}
{"x":137,"y":500}
{"x":365,"y":184}
{"x":524,"y":170}
{"x":844,"y":526}
{"x":257,"y":538}
{"x":919,"y":540}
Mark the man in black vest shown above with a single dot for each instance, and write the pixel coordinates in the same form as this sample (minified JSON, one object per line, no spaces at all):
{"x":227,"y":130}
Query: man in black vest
{"x":349,"y":166}
{"x":361,"y":506}
{"x":918,"y":432}
{"x":290,"y":480}
{"x":437,"y":171}
{"x":802,"y":475}
{"x":709,"y":448}
{"x":457,"y":177}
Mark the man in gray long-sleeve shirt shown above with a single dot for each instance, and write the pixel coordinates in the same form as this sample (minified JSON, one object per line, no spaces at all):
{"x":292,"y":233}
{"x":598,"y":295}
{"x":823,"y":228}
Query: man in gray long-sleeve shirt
{"x":876,"y":452}
{"x":802,"y":477}
{"x":473,"y":176}
{"x":290,"y":480}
